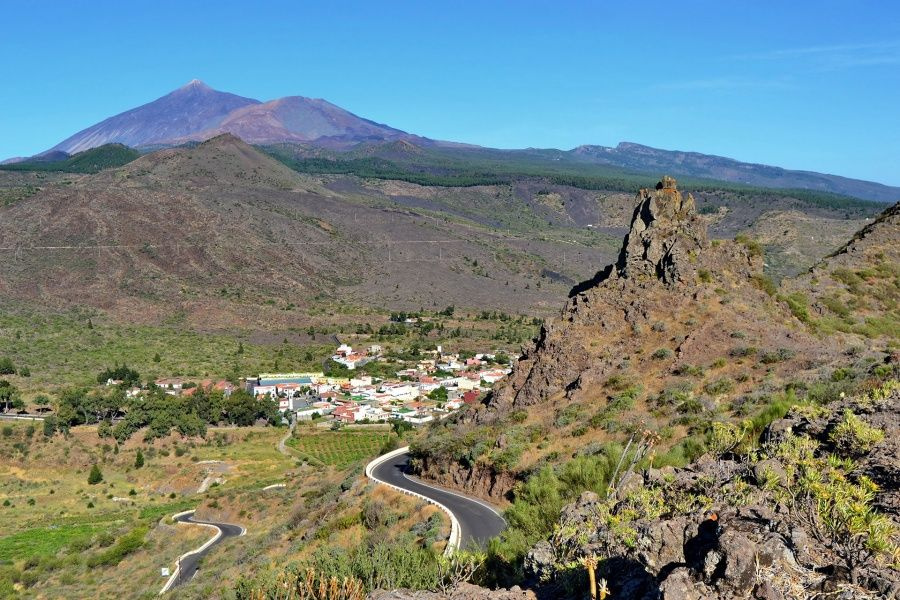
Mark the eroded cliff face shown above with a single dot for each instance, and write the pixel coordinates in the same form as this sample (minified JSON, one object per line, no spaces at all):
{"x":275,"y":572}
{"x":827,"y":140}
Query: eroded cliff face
{"x":478,"y":480}
{"x":667,"y":271}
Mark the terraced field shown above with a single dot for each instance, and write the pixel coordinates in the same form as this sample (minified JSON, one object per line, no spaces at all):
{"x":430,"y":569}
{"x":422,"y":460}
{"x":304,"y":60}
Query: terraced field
{"x":339,"y":449}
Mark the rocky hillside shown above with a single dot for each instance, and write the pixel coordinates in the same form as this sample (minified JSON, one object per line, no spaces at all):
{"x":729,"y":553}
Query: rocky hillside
{"x":809,"y":513}
{"x":679,"y":331}
{"x":685,"y":430}
{"x":672,"y":299}
{"x":856,"y":290}
{"x":218,"y":231}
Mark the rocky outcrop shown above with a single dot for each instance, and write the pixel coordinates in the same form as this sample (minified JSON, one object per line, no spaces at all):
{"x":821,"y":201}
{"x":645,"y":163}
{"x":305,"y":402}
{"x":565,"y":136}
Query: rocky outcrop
{"x":753,"y":539}
{"x":667,"y":266}
{"x":478,"y":480}
{"x":665,"y":231}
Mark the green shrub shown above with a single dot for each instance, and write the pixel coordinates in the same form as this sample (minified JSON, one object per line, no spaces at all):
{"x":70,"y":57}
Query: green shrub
{"x":693,"y":371}
{"x":754,"y":248}
{"x":662,"y":354}
{"x":518,"y":416}
{"x":127,"y":544}
{"x":853,"y":437}
{"x":720,"y":386}
{"x":777,"y":356}
{"x":743,"y":351}
{"x":834,"y":304}
{"x":798,"y":305}
{"x":95,"y":476}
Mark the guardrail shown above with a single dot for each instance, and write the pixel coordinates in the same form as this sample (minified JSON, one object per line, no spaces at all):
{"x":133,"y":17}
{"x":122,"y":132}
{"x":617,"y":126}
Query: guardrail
{"x":454,"y":538}
{"x":17,"y":417}
{"x":174,"y":576}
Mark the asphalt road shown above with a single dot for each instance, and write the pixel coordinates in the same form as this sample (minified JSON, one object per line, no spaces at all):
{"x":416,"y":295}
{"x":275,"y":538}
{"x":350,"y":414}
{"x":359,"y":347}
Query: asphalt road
{"x":190,"y":563}
{"x":478,"y":521}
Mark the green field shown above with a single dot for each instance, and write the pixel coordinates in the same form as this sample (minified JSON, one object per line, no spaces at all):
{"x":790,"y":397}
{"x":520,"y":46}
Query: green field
{"x":68,"y":348}
{"x":46,"y":541}
{"x":338,"y":448}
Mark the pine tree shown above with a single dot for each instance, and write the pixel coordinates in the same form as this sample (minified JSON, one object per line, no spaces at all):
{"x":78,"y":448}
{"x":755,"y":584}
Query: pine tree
{"x":139,"y":459}
{"x":95,"y":476}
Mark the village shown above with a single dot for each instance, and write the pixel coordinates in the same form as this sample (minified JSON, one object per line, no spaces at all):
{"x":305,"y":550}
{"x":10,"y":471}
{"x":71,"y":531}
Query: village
{"x":429,"y":388}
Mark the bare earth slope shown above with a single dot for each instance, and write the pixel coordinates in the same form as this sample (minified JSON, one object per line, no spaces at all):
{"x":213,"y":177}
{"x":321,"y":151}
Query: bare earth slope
{"x":183,"y":229}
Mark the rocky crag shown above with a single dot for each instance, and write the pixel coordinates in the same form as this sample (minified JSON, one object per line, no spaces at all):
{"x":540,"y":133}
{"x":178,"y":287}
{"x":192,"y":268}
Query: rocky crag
{"x":668,"y":273}
{"x":675,"y":310}
{"x":810,"y":514}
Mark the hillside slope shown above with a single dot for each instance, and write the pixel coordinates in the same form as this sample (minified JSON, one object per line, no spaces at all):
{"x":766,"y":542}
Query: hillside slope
{"x":856,"y":289}
{"x":680,"y":331}
{"x":221,"y":228}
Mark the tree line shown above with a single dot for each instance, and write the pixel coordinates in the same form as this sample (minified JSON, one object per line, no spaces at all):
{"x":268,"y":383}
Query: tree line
{"x":120,"y":416}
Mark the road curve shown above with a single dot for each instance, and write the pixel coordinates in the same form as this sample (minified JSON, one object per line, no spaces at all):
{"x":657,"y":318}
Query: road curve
{"x":189,"y":563}
{"x":478,"y":521}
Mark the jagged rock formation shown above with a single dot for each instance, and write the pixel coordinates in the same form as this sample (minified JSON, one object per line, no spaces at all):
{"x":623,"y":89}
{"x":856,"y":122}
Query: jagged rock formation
{"x":667,"y":270}
{"x":664,"y":232}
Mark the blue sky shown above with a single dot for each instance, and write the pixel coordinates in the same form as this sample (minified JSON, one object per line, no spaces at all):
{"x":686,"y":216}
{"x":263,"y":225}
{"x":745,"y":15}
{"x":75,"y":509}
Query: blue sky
{"x":808,"y":84}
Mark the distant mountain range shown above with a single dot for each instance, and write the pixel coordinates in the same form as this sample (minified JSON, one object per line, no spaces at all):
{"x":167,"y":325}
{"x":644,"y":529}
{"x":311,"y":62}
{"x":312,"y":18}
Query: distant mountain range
{"x":196,"y":112}
{"x":644,"y":158}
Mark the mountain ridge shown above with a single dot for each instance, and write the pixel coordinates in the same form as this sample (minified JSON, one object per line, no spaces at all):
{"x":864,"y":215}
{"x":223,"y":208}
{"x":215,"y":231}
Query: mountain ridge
{"x":696,"y":164}
{"x":196,"y":112}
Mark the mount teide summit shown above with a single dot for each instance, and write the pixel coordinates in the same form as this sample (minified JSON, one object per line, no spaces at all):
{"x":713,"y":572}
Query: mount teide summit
{"x":196,"y":112}
{"x":182,"y":114}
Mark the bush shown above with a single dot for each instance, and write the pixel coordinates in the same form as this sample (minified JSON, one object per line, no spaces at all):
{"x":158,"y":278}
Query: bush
{"x":95,"y":476}
{"x":6,"y":366}
{"x":49,"y":426}
{"x":718,"y":387}
{"x":743,"y":351}
{"x":125,"y":546}
{"x":777,"y":356}
{"x":693,"y":371}
{"x":853,"y":437}
{"x":518,"y":416}
{"x":798,"y":304}
{"x":662,"y":353}
{"x":754,"y":248}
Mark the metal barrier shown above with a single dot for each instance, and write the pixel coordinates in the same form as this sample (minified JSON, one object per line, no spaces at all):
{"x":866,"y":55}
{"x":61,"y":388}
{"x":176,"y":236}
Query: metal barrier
{"x":454,"y":538}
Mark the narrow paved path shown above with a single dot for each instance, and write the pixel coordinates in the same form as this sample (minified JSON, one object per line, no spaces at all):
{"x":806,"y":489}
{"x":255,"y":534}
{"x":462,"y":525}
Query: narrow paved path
{"x":189,"y":564}
{"x":478,"y":520}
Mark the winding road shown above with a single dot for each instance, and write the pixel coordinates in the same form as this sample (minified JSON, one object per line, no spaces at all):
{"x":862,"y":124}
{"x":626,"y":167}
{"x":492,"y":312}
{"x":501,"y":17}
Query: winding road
{"x":478,"y":521}
{"x":188,"y":564}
